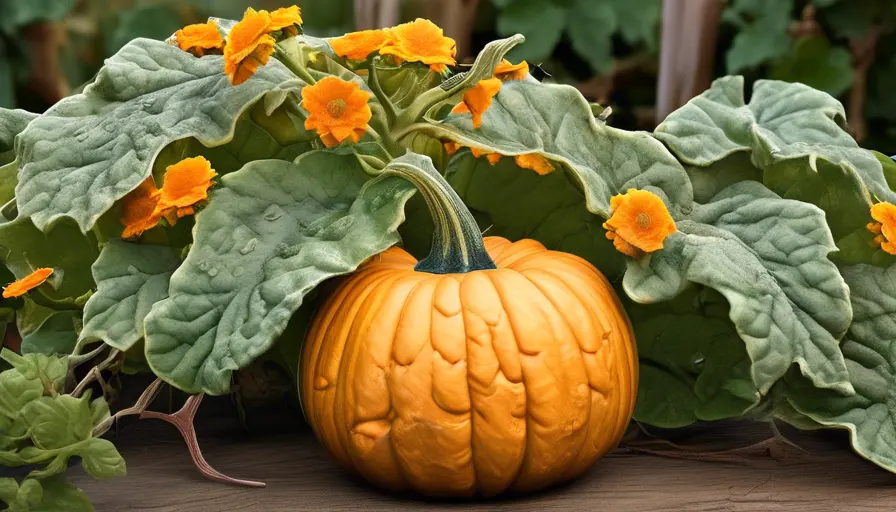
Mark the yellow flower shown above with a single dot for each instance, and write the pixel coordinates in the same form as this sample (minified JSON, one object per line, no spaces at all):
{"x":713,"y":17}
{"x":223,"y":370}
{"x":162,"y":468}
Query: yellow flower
{"x":358,"y":45}
{"x":536,"y":162}
{"x":421,"y":41}
{"x":248,"y":46}
{"x":639,"y":222}
{"x":200,"y":39}
{"x":505,"y":71}
{"x":337,"y":109}
{"x":186,"y":184}
{"x":139,"y":210}
{"x":27,"y":283}
{"x":885,"y":227}
{"x":286,"y":19}
{"x":478,"y":99}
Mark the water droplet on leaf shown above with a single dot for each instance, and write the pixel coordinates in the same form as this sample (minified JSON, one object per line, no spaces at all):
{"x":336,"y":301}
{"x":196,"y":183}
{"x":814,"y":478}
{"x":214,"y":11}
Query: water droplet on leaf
{"x":249,"y":247}
{"x":273,"y":213}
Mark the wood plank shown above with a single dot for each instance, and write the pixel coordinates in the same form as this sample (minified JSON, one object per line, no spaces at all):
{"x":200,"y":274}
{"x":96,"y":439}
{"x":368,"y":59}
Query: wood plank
{"x":300,"y":476}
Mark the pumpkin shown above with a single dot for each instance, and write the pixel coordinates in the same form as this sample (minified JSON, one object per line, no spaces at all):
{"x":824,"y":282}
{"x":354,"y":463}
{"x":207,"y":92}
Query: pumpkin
{"x":488,"y":367}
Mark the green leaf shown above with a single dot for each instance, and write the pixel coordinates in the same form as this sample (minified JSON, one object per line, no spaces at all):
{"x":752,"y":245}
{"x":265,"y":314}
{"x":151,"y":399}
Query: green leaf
{"x":58,"y":422}
{"x":693,"y":367}
{"x":540,"y":21}
{"x":555,"y":121}
{"x":869,"y":414}
{"x":521,"y":204}
{"x":12,"y":123}
{"x":55,"y":335}
{"x":148,"y":95}
{"x":59,"y":494}
{"x":591,"y":26}
{"x":768,"y":257}
{"x":18,"y":13}
{"x":100,"y":459}
{"x":812,"y":61}
{"x":269,"y":236}
{"x":761,"y":39}
{"x":149,"y":21}
{"x":638,"y":21}
{"x":783,"y":121}
{"x":9,"y":177}
{"x":9,"y":488}
{"x":130,"y":279}
{"x":16,"y":391}
{"x":27,"y":249}
{"x":48,"y":369}
{"x":709,"y":181}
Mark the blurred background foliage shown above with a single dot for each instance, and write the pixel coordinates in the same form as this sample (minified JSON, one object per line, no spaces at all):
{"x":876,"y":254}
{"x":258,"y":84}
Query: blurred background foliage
{"x":609,"y":49}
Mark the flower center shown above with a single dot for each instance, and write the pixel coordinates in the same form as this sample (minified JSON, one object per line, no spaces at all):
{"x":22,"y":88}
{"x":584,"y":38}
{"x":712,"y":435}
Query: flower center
{"x":643,"y":220}
{"x":336,"y":108}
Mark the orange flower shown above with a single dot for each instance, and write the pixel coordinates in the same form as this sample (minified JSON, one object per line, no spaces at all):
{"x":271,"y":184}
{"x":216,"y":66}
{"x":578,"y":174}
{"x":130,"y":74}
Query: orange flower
{"x":452,"y":147}
{"x":27,"y":283}
{"x":337,"y":109}
{"x":138,"y":211}
{"x":885,"y":227}
{"x":186,"y":183}
{"x":358,"y":45}
{"x":200,"y":38}
{"x":286,"y":19}
{"x":421,"y":41}
{"x":492,"y":158}
{"x":639,"y":222}
{"x":478,"y":99}
{"x":505,"y":71}
{"x":536,"y":162}
{"x":248,"y":46}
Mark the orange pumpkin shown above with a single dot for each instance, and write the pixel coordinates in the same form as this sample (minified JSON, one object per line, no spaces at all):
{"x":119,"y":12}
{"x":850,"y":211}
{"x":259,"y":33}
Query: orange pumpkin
{"x":483,"y":381}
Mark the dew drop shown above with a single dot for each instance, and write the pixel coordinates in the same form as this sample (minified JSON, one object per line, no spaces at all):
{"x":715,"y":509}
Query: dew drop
{"x":203,"y":266}
{"x":249,"y":247}
{"x":132,"y":269}
{"x":212,"y":272}
{"x":273,"y":213}
{"x":83,"y":136}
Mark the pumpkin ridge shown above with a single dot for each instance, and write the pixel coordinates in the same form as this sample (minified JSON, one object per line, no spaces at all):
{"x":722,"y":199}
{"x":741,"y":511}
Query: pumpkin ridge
{"x":472,"y":412}
{"x":359,"y":305}
{"x":316,"y":360}
{"x":356,"y":346}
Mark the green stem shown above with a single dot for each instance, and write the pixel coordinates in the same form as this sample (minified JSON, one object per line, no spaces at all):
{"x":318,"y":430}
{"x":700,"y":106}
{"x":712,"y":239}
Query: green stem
{"x":457,"y":245}
{"x":293,"y":64}
{"x":374,"y":83}
{"x":404,"y":131}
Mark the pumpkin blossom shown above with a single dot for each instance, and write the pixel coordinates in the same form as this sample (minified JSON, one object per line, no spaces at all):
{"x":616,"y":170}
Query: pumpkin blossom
{"x":139,"y":210}
{"x":421,"y":41}
{"x":478,"y":99}
{"x":885,"y":227}
{"x":535,"y":162}
{"x":358,"y":45}
{"x":200,"y":39}
{"x":337,"y":109}
{"x":286,"y":19}
{"x":505,"y":71}
{"x":186,"y":184}
{"x":248,"y":46}
{"x":639,"y":222}
{"x":27,"y":283}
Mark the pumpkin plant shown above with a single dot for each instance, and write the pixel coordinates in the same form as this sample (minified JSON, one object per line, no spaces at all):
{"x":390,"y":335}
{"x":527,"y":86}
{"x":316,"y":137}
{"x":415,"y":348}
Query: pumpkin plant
{"x":208,"y":190}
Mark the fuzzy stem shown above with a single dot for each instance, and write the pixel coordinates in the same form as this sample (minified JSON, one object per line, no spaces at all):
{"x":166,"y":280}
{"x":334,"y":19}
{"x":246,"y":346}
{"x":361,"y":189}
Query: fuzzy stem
{"x":457,"y":245}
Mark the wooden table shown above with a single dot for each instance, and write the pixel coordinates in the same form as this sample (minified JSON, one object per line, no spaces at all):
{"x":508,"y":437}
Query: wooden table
{"x":281,"y":451}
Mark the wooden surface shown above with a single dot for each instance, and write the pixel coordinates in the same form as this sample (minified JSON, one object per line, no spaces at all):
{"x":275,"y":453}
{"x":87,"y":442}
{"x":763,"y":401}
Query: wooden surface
{"x":281,"y":451}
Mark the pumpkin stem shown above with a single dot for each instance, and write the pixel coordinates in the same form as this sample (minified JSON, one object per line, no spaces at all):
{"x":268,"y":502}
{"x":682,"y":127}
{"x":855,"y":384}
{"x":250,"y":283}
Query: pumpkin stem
{"x":457,"y":245}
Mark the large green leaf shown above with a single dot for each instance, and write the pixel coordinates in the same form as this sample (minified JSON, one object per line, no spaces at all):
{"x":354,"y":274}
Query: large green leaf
{"x":768,"y":257}
{"x":55,"y":335}
{"x":269,"y":236}
{"x":12,"y":122}
{"x":783,"y":121}
{"x":590,"y":26}
{"x":540,"y":21}
{"x":763,"y":37}
{"x":869,"y":414}
{"x":693,"y":365}
{"x":521,"y":204}
{"x":91,"y":149}
{"x":130,"y":279}
{"x":555,"y":121}
{"x":24,"y":248}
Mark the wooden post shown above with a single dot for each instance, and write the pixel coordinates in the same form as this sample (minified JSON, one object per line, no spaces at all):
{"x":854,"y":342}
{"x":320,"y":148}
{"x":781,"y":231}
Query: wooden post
{"x":687,"y":50}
